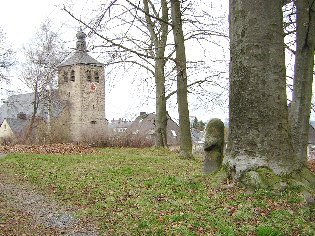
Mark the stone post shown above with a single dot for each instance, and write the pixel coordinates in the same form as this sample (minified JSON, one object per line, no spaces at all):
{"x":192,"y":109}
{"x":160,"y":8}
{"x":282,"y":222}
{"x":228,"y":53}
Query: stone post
{"x":214,"y":144}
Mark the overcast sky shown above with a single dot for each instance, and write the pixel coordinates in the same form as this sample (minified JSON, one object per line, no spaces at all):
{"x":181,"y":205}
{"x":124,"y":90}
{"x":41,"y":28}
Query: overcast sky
{"x":21,"y":19}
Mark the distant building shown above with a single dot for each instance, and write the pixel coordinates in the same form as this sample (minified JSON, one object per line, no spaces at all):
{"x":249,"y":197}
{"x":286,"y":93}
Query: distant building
{"x":118,"y":126}
{"x":197,"y":137}
{"x":145,"y":125}
{"x":77,"y":110}
{"x":14,"y":129}
{"x":17,"y":111}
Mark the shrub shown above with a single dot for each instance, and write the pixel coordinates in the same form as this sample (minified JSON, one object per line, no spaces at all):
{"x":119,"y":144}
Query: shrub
{"x":128,"y":140}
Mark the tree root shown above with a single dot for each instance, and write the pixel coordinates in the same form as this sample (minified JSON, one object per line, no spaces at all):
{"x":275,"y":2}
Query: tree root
{"x":264,"y":178}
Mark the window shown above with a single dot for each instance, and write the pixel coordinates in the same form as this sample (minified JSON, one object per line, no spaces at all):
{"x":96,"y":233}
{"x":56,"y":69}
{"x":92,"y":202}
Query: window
{"x":65,"y":77}
{"x":93,"y":122}
{"x":88,"y":75}
{"x":96,"y":77}
{"x":72,"y":75}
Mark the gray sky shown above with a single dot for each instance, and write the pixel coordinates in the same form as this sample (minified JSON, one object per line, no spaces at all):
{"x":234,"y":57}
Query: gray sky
{"x":20,"y":20}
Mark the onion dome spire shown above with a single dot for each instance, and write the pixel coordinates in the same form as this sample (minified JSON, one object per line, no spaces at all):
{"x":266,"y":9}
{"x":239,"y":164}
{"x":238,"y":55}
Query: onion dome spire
{"x":81,"y":44}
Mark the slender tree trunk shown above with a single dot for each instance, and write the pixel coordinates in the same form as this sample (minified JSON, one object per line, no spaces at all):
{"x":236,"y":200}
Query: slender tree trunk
{"x":161,"y":116}
{"x":35,"y":107}
{"x":184,"y":123}
{"x":50,"y":94}
{"x":303,"y":76}
{"x":158,"y":39}
{"x":259,"y":132}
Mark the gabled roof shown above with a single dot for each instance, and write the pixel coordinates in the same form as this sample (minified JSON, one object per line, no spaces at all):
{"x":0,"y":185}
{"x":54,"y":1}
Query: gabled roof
{"x":145,"y":125}
{"x":17,"y":125}
{"x":24,"y":103}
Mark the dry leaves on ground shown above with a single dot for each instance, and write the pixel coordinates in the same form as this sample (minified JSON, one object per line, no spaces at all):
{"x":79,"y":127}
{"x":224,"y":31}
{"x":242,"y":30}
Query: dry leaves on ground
{"x":68,"y":149}
{"x":59,"y":148}
{"x":311,"y":165}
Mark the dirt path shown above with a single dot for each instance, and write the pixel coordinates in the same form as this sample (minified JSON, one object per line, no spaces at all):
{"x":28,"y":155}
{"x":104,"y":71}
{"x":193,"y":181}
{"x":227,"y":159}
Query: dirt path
{"x":25,"y":211}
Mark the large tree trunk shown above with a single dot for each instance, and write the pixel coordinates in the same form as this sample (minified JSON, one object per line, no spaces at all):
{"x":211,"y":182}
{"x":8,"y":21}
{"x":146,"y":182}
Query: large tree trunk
{"x":259,"y":132}
{"x":303,"y":76}
{"x":184,"y":123}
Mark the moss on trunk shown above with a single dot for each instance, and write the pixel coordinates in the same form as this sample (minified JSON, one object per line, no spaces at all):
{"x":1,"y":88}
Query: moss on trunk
{"x":265,"y":178}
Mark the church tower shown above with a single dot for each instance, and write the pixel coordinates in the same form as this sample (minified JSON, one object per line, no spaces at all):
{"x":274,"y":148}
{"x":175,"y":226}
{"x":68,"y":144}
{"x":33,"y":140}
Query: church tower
{"x":81,"y":83}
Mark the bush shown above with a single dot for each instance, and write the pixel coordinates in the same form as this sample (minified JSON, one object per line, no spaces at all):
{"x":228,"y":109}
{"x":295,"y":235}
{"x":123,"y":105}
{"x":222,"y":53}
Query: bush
{"x":7,"y":141}
{"x":128,"y":140}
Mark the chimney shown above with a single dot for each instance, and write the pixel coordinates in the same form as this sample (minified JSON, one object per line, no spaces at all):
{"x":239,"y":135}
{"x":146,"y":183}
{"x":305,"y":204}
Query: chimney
{"x":142,"y":113}
{"x":21,"y":116}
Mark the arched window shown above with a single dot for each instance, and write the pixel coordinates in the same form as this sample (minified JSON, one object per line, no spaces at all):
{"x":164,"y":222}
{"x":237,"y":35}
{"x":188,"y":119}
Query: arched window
{"x":65,"y":77}
{"x":96,"y":77}
{"x":88,"y":75}
{"x":72,"y":75}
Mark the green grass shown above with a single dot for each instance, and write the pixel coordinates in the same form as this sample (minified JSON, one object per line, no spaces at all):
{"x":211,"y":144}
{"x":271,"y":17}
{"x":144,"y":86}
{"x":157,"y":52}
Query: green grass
{"x":154,"y":192}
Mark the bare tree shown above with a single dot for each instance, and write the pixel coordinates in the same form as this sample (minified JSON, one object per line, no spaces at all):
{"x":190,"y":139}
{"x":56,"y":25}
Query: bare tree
{"x":260,"y":149}
{"x":136,"y":34}
{"x":303,"y":76}
{"x":184,"y":122}
{"x":158,"y":36}
{"x":39,"y":72}
{"x":7,"y":59}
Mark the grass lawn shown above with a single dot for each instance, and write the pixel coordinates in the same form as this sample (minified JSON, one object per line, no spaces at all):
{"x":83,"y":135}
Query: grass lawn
{"x":153,"y":191}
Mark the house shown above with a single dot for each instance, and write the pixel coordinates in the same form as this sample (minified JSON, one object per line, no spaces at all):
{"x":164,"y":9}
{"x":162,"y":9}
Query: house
{"x":144,"y":125}
{"x":12,"y":129}
{"x":118,"y":126}
{"x":197,"y":137}
{"x":23,"y":103}
{"x":18,"y":109}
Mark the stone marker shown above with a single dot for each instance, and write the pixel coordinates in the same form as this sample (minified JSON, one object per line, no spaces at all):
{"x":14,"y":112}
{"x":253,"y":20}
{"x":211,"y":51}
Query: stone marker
{"x":214,"y":143}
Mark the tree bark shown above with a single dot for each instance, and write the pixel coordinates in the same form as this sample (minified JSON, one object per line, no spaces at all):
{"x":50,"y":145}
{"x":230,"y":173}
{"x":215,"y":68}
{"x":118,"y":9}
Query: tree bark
{"x":184,"y":123}
{"x":303,"y":76}
{"x":259,"y":132}
{"x":34,"y":113}
{"x":161,"y":113}
{"x":159,"y":42}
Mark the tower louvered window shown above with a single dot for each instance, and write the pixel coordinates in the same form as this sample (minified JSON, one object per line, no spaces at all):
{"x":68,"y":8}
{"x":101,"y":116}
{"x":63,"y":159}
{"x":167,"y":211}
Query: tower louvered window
{"x":72,"y":75}
{"x":96,"y":77}
{"x":88,"y":75}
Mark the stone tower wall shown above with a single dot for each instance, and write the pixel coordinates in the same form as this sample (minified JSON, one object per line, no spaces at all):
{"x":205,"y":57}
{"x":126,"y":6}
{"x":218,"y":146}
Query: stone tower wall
{"x":86,"y":100}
